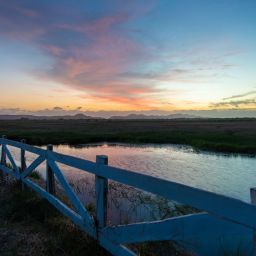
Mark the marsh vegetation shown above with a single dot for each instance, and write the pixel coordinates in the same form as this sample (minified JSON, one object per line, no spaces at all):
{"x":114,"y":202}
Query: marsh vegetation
{"x":223,"y":135}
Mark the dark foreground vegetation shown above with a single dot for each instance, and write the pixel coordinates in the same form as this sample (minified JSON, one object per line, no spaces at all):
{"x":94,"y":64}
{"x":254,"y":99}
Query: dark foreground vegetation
{"x":30,"y":226}
{"x":223,"y":135}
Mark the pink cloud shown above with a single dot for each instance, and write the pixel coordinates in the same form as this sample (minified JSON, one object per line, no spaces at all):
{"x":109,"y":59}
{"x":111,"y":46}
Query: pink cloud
{"x":96,"y":67}
{"x":99,"y":56}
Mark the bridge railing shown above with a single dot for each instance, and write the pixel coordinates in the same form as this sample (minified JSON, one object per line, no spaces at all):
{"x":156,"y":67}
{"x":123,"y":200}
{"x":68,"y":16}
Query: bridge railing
{"x":112,"y":238}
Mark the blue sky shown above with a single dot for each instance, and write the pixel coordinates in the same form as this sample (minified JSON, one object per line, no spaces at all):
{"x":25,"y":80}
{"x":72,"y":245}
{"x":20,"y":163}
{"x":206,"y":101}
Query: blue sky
{"x":165,"y":55}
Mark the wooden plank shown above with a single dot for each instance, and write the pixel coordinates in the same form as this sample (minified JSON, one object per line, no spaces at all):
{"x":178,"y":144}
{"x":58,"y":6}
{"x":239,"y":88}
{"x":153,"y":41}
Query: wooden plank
{"x":8,"y":171}
{"x":253,"y":202}
{"x":253,"y":196}
{"x":32,"y":166}
{"x":23,"y":164}
{"x":3,"y":153}
{"x":115,"y":249}
{"x":72,"y":161}
{"x":101,"y":185}
{"x":76,"y":218}
{"x":50,"y":179}
{"x":9,"y":155}
{"x":71,"y":195}
{"x":236,"y":210}
{"x":29,"y":148}
{"x":182,"y":228}
{"x":3,"y":158}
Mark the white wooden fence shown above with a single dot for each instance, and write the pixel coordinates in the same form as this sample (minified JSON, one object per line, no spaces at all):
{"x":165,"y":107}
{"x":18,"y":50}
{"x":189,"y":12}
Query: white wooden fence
{"x":227,"y":211}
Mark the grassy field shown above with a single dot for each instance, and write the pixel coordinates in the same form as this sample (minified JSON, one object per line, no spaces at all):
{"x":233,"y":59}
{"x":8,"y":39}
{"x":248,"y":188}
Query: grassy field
{"x":223,"y":135}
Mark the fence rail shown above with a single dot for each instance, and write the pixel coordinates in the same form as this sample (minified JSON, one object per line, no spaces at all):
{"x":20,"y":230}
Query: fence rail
{"x":112,"y":238}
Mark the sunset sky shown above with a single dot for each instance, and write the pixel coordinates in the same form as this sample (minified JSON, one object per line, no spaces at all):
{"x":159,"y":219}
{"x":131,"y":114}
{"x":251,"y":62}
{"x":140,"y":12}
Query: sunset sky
{"x":61,"y":56}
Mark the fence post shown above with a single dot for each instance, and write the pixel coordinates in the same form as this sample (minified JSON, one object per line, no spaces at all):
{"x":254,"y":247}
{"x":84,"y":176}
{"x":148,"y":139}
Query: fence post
{"x":3,"y":160}
{"x":101,"y":194}
{"x":253,"y":196}
{"x":253,"y":201}
{"x":22,"y":163}
{"x":3,"y":155}
{"x":50,"y":180}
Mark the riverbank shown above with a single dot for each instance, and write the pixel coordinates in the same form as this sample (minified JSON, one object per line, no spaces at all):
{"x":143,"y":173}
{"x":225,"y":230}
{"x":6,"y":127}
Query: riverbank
{"x":219,"y":135}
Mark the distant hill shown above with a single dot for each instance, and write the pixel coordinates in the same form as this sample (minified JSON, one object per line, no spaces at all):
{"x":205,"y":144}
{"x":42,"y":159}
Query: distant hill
{"x":32,"y":117}
{"x":83,"y":116}
{"x":141,"y":116}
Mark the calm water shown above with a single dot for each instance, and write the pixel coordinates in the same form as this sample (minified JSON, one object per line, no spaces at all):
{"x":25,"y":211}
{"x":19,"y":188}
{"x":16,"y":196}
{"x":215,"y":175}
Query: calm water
{"x":225,"y":174}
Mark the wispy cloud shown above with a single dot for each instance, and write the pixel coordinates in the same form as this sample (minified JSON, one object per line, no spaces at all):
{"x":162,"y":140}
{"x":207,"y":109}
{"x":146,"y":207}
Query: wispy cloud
{"x":89,"y":54}
{"x":247,"y":99}
{"x":100,"y":55}
{"x":241,"y":95}
{"x":235,"y":103}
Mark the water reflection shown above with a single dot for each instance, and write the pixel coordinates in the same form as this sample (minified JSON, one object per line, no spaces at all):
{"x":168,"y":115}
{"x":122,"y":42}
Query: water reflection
{"x":231,"y":175}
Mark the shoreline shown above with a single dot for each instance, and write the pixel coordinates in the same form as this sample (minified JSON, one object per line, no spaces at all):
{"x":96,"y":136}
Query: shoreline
{"x":184,"y":147}
{"x":201,"y":144}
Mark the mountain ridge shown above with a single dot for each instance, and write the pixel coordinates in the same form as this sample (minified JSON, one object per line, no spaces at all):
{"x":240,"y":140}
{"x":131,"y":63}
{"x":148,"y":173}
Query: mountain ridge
{"x":83,"y":116}
{"x":142,"y":116}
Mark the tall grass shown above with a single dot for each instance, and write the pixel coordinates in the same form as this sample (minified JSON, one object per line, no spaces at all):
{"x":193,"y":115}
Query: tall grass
{"x":222,"y":135}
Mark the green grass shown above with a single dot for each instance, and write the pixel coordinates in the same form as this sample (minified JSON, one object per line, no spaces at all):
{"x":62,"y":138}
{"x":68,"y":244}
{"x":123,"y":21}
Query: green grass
{"x":35,"y":175}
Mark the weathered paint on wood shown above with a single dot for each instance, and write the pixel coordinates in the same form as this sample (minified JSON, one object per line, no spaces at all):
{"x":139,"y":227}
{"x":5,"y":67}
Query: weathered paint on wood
{"x":23,"y":157}
{"x":74,"y":162}
{"x":8,"y":171}
{"x":23,"y":164}
{"x":181,"y":228}
{"x":8,"y":154}
{"x":32,"y":166}
{"x":101,"y":194}
{"x":64,"y":209}
{"x":237,"y":210}
{"x":29,"y":148}
{"x":3,"y":153}
{"x":71,"y":195}
{"x":253,"y":201}
{"x":253,"y":196}
{"x":115,"y":248}
{"x":226,"y":210}
{"x":50,"y":179}
{"x":3,"y":158}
